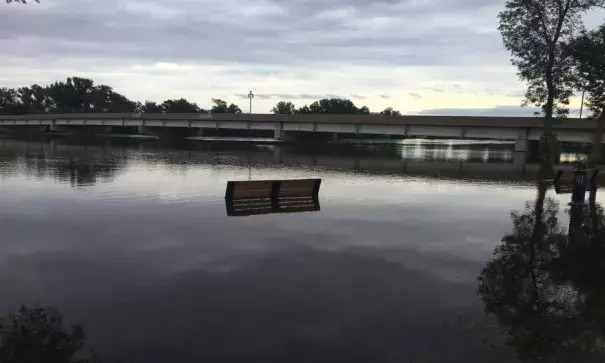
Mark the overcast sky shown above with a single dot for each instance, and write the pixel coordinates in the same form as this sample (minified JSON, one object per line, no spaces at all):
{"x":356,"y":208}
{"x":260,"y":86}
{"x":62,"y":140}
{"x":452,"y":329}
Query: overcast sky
{"x":418,"y":56}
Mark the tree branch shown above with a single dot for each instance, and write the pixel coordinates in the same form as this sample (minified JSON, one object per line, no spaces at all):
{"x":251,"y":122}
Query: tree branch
{"x":543,"y":21}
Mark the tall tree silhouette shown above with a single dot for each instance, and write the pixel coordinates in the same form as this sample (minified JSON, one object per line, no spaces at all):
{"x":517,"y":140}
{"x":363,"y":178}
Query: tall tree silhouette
{"x":536,"y":33}
{"x":589,"y":54}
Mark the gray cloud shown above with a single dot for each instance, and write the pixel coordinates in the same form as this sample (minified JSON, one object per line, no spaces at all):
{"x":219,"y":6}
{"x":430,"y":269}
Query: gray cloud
{"x":358,"y":97}
{"x":287,"y":96}
{"x":415,"y":95}
{"x":518,"y":94}
{"x":385,"y":97}
{"x":504,"y":111}
{"x":259,"y":32}
{"x":312,"y":97}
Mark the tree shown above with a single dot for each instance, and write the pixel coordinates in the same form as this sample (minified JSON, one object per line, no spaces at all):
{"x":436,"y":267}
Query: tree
{"x":75,"y":95}
{"x":9,"y":102}
{"x":71,"y":96}
{"x":220,"y":106}
{"x":105,"y":99}
{"x":151,"y":107}
{"x":389,"y":111}
{"x":284,"y":108}
{"x":24,"y":100}
{"x":536,"y":32}
{"x":179,"y":106}
{"x":334,"y":106}
{"x":364,"y":110}
{"x":588,"y":50}
{"x":35,"y":99}
{"x":304,"y":110}
{"x":233,"y":108}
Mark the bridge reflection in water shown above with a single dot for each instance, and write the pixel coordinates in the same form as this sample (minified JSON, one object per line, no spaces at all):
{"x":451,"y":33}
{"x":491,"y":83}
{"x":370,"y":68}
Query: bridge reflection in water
{"x":87,"y":163}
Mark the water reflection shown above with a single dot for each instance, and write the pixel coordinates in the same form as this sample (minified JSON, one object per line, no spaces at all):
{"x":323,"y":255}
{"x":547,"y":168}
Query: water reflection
{"x":456,"y":151}
{"x":37,"y":334}
{"x":544,"y":285}
{"x":76,"y":164}
{"x":84,"y":163}
{"x":386,"y":272}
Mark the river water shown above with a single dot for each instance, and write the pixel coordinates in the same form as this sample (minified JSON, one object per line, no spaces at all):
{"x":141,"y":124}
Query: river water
{"x":132,"y":240}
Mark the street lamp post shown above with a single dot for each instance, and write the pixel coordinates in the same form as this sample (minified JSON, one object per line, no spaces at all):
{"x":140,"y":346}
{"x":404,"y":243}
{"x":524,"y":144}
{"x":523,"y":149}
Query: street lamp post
{"x":251,"y":96}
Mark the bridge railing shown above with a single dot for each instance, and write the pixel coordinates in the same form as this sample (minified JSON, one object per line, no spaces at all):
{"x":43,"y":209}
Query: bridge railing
{"x":469,"y":121}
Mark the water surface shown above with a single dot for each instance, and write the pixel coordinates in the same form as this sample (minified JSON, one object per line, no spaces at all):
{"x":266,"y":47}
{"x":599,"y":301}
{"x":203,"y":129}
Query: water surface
{"x":134,"y":242}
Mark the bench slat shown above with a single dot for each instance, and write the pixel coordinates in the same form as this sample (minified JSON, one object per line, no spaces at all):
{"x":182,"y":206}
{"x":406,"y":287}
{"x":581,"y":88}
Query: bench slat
{"x":272,"y":188}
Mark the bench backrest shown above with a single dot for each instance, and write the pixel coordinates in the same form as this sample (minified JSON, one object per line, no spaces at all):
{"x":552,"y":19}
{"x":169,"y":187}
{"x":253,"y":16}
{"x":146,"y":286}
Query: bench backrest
{"x":272,"y":188}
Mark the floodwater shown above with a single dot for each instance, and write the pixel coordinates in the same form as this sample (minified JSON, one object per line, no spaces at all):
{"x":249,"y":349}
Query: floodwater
{"x":414,"y":255}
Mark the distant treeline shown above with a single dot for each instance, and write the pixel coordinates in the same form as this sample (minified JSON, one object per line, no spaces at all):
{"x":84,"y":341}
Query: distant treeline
{"x":81,"y":95}
{"x":330,"y":106}
{"x":77,"y":95}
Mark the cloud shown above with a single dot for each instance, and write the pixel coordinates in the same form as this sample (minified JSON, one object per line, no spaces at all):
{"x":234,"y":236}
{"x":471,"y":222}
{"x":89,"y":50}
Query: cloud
{"x":517,"y":94}
{"x":287,"y":96}
{"x":282,"y":49}
{"x":415,"y":95}
{"x":271,"y":32}
{"x":358,"y":97}
{"x":312,"y":97}
{"x":504,"y":111}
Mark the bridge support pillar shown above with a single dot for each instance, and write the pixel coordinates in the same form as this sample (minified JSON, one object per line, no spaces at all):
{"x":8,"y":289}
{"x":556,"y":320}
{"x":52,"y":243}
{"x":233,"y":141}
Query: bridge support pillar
{"x":521,"y":145}
{"x":141,"y":129}
{"x":277,"y":155}
{"x":283,"y":135}
{"x":526,"y":150}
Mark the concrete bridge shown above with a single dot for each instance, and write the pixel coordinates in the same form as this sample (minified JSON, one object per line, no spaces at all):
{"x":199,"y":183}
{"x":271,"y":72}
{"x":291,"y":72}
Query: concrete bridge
{"x":525,"y":131}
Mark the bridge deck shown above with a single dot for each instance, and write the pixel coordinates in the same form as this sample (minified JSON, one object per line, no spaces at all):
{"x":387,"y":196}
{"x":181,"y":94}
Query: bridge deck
{"x":470,"y":121}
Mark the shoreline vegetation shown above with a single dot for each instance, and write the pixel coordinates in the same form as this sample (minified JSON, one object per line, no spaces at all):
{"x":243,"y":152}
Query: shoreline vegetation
{"x":82,"y":95}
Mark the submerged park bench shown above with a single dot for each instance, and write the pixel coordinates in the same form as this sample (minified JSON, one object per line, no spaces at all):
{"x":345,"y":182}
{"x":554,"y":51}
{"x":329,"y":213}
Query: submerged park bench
{"x":244,"y":198}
